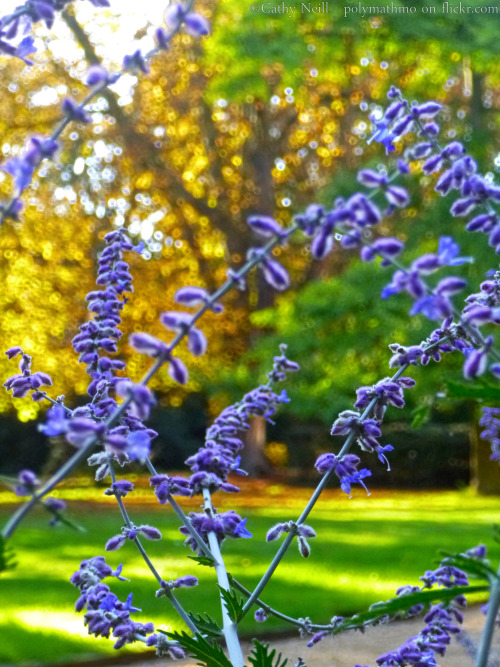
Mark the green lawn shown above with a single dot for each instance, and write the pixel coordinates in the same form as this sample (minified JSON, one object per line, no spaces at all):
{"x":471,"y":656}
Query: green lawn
{"x":366,"y":548}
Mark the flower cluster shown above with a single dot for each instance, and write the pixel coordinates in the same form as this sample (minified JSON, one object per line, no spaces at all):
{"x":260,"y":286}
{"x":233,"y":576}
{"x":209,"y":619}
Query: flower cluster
{"x":435,"y":637}
{"x":118,"y":426}
{"x":182,"y":324}
{"x":436,"y":305}
{"x":490,"y":421}
{"x":213,"y":463}
{"x":363,"y":429}
{"x":346,"y":469}
{"x":25,"y":382}
{"x":227,"y":524}
{"x":300,"y":530}
{"x":105,"y":614}
{"x":132,"y":533}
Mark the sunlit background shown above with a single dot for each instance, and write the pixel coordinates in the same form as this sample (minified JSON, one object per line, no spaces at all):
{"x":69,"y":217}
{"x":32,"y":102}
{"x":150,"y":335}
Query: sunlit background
{"x":266,"y":115}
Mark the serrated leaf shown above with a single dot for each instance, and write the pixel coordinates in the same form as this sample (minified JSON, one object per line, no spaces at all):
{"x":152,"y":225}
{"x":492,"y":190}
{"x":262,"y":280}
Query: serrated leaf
{"x":234,"y":603}
{"x":211,"y":654}
{"x":405,"y":602}
{"x":205,"y":624}
{"x":260,"y":656}
{"x":420,"y":415}
{"x":7,"y":557}
{"x":203,"y":560}
{"x":473,"y":391}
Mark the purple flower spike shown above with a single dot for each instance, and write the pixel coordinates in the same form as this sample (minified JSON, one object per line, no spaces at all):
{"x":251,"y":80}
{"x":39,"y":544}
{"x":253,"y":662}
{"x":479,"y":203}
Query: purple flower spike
{"x":475,"y":364}
{"x":174,"y":15}
{"x":325,"y":463}
{"x":322,"y":243}
{"x":27,"y":483}
{"x":197,"y":342}
{"x":74,"y":111}
{"x":162,"y":38}
{"x":96,"y":75}
{"x":56,"y":423}
{"x":275,"y":274}
{"x":196,"y":25}
{"x":316,"y":638}
{"x":304,"y":548}
{"x":120,"y":488}
{"x":14,"y":351}
{"x":265,"y":225}
{"x":138,"y":445}
{"x":371,"y":179}
{"x":177,"y":371}
{"x":397,"y":196}
{"x":150,"y":532}
{"x":450,"y":285}
{"x":261,"y":615}
{"x":191,"y":296}
{"x":448,"y":251}
{"x":187,"y":581}
{"x":427,"y":110}
{"x":242,"y":531}
{"x":147,"y":344}
{"x":136,"y":62}
{"x":115,"y":543}
{"x":275,"y":532}
{"x":179,"y":322}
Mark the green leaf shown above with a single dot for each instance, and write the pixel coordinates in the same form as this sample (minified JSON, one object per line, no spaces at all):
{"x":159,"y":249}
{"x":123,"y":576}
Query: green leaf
{"x":7,"y":559}
{"x":203,"y":560}
{"x":205,"y":624}
{"x":470,"y":565}
{"x":234,"y":603}
{"x":405,"y":602}
{"x":211,"y":655}
{"x":475,"y":392}
{"x":260,"y":656}
{"x":420,"y":416}
{"x":62,"y":518}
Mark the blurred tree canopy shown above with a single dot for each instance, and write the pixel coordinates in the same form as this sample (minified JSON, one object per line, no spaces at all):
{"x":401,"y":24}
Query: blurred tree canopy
{"x":267,"y":115}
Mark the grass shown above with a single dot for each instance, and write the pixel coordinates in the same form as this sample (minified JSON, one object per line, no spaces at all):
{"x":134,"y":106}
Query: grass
{"x":366,"y":548}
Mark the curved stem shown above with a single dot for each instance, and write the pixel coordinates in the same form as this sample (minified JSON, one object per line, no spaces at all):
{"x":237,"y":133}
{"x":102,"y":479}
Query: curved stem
{"x":185,"y":519}
{"x":317,"y":492}
{"x":175,"y":603}
{"x":4,"y":213}
{"x":90,"y":443}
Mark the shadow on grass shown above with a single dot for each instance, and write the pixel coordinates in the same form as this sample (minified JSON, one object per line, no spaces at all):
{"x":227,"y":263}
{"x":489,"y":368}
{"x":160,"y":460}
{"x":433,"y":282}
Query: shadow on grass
{"x":356,"y":560}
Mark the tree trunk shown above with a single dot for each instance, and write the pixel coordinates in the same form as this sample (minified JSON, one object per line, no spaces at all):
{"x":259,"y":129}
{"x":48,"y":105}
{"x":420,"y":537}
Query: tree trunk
{"x":253,"y":458}
{"x":485,"y":473}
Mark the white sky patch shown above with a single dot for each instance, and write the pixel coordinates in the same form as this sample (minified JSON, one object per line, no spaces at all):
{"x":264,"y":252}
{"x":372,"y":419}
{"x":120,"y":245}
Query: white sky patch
{"x":113,"y":29}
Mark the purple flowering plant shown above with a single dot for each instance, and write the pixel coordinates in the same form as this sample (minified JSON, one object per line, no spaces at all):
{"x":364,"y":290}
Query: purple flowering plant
{"x":110,"y":430}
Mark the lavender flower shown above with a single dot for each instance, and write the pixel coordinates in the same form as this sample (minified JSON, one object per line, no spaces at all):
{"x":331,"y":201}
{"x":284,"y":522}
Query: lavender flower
{"x":227,"y":524}
{"x":105,"y":614}
{"x":27,"y":483}
{"x":300,"y":530}
{"x":165,"y":486}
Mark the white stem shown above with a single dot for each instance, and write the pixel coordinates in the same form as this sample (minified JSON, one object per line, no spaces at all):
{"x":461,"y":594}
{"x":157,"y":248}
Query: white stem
{"x":229,"y":626}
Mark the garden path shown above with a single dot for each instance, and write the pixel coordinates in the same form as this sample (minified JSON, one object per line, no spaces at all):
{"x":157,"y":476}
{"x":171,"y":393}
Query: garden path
{"x":354,"y":648}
